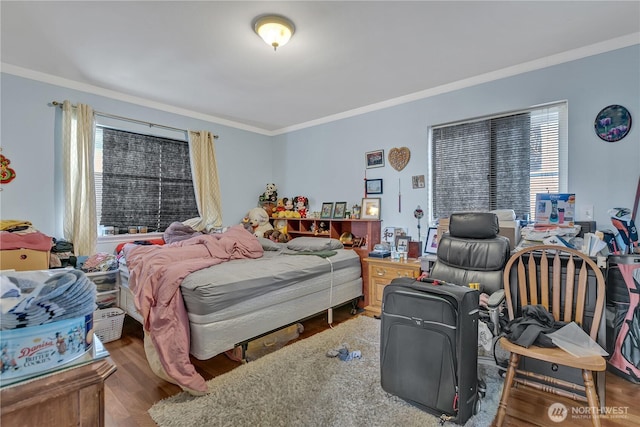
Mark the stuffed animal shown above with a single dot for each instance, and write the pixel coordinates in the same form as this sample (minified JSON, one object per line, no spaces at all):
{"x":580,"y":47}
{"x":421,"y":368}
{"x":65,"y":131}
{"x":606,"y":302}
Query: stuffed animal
{"x":280,"y":225}
{"x":279,"y":208}
{"x":276,"y":236}
{"x":288,"y":204}
{"x":301,"y":204}
{"x":246,"y":224}
{"x":259,"y":220}
{"x":270,"y":194}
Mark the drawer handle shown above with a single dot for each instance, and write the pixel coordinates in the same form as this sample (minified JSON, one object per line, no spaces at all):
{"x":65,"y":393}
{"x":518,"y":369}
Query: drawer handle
{"x":404,"y":274}
{"x":380,"y":272}
{"x":23,"y":256}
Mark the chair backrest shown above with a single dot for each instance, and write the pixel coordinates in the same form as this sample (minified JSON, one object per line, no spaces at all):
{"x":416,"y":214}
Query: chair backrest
{"x":472,"y":252}
{"x":566,"y":282}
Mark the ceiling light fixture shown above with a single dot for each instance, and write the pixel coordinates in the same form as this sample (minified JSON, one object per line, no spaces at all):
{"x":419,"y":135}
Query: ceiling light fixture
{"x":275,"y":30}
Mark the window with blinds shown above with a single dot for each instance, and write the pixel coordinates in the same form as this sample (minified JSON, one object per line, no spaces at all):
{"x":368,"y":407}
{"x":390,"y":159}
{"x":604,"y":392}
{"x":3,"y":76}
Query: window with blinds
{"x":498,"y":162}
{"x":142,"y":180}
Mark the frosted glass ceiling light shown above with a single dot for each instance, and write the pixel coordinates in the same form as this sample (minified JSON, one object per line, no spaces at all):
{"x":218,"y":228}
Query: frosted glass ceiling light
{"x":275,"y":30}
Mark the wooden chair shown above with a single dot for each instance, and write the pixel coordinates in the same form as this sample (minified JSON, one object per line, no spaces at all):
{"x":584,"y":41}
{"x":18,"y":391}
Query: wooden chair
{"x":569,"y":285}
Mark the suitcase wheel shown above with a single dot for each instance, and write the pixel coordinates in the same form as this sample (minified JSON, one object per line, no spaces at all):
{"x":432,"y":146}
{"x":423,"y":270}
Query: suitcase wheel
{"x":482,"y":388}
{"x":477,"y":406}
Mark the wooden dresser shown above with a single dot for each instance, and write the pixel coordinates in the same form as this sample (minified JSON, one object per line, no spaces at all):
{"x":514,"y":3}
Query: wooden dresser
{"x":381,"y":271}
{"x":74,"y":397}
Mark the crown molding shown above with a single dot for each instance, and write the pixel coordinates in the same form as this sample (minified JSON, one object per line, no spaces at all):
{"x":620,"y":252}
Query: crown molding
{"x":572,"y":55}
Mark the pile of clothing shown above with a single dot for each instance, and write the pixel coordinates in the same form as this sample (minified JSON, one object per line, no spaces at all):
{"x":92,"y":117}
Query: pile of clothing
{"x":28,"y":302}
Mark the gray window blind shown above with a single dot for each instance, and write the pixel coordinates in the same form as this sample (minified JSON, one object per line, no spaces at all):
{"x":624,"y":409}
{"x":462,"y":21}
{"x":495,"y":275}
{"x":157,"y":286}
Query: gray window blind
{"x":146,"y":180}
{"x":495,"y":163}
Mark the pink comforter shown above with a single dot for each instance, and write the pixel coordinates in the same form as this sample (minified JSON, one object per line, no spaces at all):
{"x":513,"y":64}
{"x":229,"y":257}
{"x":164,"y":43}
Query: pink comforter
{"x":156,"y":273}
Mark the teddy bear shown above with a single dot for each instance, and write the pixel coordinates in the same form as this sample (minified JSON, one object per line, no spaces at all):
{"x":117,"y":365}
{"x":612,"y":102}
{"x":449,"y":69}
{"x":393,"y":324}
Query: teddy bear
{"x":270,"y":194}
{"x":276,"y":236}
{"x":259,"y":221}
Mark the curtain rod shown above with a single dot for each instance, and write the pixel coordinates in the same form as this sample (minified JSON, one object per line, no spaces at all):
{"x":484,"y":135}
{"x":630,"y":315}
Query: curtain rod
{"x":127,"y":119}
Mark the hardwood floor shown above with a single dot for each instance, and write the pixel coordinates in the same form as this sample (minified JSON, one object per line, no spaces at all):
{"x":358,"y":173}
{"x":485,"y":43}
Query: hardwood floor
{"x":133,"y":388}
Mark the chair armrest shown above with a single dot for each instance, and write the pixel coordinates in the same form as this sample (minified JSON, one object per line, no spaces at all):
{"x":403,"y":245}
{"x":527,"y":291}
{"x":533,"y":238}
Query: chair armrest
{"x":496,"y":298}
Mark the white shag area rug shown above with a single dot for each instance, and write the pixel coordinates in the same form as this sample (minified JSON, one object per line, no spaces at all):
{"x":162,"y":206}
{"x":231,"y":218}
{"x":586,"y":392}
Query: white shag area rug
{"x":300,"y":386}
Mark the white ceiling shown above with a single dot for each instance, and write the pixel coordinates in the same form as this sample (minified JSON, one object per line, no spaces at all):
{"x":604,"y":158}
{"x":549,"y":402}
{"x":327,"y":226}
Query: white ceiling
{"x":203,"y":58}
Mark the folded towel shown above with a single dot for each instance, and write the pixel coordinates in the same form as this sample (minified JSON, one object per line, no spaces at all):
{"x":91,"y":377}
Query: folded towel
{"x":62,"y":296}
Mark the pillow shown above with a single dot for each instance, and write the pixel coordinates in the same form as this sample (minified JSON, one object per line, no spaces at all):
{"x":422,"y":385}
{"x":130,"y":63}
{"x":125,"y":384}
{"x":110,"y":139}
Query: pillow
{"x":314,"y":244}
{"x":268,"y":245}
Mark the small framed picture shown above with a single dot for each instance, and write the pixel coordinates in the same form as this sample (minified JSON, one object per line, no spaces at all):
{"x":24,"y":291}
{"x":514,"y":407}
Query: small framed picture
{"x":431,"y":245}
{"x":374,"y":159}
{"x":388,"y":234}
{"x":370,"y":208}
{"x":327,"y":210}
{"x":402,"y":243}
{"x":339,"y":210}
{"x":373,"y":186}
{"x":417,"y":181}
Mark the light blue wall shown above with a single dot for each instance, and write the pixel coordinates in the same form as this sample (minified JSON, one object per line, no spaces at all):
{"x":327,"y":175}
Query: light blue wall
{"x":31,"y":140}
{"x":326,"y":162}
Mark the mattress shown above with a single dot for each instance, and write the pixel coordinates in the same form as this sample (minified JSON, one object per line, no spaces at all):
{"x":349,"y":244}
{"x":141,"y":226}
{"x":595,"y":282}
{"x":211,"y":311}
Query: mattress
{"x":233,"y":302}
{"x":210,"y":290}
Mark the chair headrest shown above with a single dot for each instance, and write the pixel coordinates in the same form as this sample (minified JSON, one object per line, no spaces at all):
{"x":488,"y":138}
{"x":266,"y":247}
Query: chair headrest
{"x":474,"y":225}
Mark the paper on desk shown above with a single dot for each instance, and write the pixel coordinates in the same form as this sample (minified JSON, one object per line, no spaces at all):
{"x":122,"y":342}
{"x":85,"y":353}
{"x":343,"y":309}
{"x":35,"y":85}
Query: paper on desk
{"x":575,"y":341}
{"x":540,"y":233}
{"x":592,"y":244}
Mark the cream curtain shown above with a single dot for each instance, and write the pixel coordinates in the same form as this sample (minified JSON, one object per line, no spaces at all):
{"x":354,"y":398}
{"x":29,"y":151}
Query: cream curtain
{"x":80,"y":223}
{"x":202,"y":154}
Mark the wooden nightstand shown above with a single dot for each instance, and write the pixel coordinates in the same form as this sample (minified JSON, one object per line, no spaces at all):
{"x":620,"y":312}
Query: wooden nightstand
{"x":381,"y":272}
{"x":72,"y":397}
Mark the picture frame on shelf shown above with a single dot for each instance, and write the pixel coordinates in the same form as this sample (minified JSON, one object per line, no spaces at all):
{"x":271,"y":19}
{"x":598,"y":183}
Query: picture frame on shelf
{"x":431,"y":244}
{"x":402,"y":243}
{"x":373,"y":186}
{"x":374,"y":159}
{"x":370,"y":208}
{"x":388,"y":234}
{"x":339,"y":210}
{"x":327,"y":210}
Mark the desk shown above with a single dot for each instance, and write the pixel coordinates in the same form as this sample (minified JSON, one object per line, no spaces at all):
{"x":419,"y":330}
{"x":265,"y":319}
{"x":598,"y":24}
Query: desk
{"x":69,"y":397}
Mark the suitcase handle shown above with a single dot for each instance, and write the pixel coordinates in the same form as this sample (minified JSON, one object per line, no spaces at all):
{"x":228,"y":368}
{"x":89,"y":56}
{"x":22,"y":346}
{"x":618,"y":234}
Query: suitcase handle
{"x":434,"y":282}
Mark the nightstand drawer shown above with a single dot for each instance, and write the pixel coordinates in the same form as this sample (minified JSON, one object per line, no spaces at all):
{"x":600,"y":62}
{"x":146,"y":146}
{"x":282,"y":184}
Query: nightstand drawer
{"x":392,"y":272}
{"x":381,"y":272}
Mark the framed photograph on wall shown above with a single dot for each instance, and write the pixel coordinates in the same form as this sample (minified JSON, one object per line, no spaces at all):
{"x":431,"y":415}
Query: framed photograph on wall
{"x":327,"y":210}
{"x":431,"y":245}
{"x":374,"y":159}
{"x":370,"y":208}
{"x":417,"y":181}
{"x":373,"y":186}
{"x":339,"y":210}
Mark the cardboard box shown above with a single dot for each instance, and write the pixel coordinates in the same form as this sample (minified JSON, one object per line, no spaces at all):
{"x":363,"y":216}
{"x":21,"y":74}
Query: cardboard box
{"x":508,"y":229}
{"x":555,"y":209}
{"x":23,"y":259}
{"x":38,"y":349}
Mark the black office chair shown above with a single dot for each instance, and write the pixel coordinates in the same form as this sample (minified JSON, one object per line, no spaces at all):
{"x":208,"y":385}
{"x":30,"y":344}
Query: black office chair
{"x":472,"y":252}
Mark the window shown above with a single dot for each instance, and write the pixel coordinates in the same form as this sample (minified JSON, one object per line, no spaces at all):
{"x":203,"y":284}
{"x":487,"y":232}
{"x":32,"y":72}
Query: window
{"x":142,"y":180}
{"x":498,"y":162}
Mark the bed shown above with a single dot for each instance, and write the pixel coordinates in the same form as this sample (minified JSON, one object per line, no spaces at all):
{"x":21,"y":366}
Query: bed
{"x":230,"y":303}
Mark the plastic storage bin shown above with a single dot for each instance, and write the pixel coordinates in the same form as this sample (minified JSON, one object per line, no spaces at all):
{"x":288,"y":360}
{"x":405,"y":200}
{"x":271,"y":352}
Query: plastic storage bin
{"x":108,"y":324}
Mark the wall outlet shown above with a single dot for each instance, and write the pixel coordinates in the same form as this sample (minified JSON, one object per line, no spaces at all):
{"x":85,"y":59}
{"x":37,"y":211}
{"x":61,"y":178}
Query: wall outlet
{"x":587,"y":213}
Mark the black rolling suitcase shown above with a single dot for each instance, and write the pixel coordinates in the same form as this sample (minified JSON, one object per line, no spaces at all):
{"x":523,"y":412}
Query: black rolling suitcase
{"x":429,"y":346}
